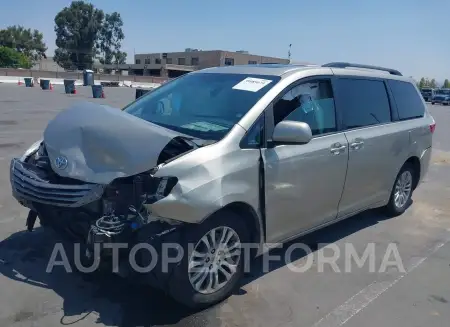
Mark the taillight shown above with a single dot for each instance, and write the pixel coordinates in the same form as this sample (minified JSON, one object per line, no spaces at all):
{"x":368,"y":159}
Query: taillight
{"x":432,"y":127}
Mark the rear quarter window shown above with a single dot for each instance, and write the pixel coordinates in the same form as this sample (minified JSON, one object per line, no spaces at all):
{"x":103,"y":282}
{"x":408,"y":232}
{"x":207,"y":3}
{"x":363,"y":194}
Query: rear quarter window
{"x":408,"y":101}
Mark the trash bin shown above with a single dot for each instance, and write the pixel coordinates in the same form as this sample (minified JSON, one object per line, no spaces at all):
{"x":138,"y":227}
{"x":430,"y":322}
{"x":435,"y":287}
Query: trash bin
{"x":45,"y":84}
{"x":97,"y":91}
{"x":29,"y":82}
{"x":69,"y":86}
{"x":141,"y":92}
{"x":88,"y":77}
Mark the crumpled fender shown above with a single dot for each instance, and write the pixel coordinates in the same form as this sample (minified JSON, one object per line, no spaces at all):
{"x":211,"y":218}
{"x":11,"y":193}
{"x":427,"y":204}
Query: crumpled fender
{"x":210,"y":178}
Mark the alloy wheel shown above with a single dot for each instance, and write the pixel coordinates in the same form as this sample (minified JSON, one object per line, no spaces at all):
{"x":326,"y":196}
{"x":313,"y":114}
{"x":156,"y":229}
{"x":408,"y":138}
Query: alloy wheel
{"x":403,"y":188}
{"x":214,"y":260}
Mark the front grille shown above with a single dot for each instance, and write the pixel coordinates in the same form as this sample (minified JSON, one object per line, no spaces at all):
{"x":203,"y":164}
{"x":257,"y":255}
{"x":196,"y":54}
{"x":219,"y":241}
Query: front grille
{"x":28,"y":185}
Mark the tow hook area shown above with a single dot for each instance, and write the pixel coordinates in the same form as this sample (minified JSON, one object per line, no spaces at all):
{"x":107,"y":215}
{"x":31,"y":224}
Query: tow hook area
{"x":31,"y":220}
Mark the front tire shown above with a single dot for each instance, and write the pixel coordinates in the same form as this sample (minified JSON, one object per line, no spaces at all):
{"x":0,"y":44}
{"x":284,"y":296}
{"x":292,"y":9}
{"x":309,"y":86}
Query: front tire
{"x":213,"y":261}
{"x":402,"y":191}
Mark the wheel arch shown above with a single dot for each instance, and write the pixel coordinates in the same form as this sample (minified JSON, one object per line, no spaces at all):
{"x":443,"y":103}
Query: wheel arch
{"x":252,"y":220}
{"x":414,"y":161}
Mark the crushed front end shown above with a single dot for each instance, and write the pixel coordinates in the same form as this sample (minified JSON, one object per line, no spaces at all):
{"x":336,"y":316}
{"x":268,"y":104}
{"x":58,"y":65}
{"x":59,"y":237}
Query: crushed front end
{"x":95,"y":214}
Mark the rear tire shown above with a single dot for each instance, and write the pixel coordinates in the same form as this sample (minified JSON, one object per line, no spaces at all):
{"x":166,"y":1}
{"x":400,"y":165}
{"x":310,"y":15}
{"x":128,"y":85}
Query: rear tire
{"x":182,"y":281}
{"x":402,"y":191}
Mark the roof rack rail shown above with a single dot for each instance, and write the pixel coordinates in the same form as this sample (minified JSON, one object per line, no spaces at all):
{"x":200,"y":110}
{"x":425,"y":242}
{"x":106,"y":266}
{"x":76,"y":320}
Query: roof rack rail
{"x":347,"y":64}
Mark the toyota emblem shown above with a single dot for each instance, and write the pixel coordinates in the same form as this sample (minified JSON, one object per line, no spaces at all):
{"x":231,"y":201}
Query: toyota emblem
{"x":61,"y":162}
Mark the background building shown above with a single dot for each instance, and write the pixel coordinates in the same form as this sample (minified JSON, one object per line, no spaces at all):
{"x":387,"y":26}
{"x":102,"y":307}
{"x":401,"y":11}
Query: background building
{"x":173,"y":64}
{"x":47,"y":64}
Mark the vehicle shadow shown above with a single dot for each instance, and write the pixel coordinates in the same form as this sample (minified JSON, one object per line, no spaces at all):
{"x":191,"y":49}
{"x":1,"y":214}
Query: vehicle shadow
{"x":115,"y":302}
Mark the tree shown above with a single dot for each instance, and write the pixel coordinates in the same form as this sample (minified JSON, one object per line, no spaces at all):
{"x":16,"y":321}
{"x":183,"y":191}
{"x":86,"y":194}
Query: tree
{"x":425,"y":82}
{"x":84,"y":32}
{"x":120,"y":57}
{"x":25,"y":41}
{"x":433,"y":83}
{"x":11,"y":58}
{"x":446,"y":84}
{"x":110,"y":40}
{"x":77,"y":30}
{"x":421,"y":83}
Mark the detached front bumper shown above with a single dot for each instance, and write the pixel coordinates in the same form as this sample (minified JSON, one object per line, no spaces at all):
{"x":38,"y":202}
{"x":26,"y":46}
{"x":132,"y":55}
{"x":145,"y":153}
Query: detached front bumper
{"x":58,"y":206}
{"x":29,"y":185}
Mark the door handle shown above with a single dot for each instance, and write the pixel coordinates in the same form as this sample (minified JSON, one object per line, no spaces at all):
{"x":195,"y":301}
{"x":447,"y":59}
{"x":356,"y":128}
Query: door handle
{"x":337,"y":148}
{"x":356,"y":145}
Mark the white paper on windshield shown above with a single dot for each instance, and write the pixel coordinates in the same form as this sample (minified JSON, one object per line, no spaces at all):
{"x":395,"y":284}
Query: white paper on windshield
{"x":251,"y":84}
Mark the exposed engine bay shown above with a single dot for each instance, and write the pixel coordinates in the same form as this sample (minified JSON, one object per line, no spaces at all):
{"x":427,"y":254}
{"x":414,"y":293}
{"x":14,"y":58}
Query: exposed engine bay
{"x":118,"y":211}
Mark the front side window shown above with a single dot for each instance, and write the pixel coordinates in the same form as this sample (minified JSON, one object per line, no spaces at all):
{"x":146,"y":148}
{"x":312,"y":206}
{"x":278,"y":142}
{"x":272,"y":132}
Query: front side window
{"x":311,"y":103}
{"x":202,"y":105}
{"x":409,"y":103}
{"x":364,"y":102}
{"x":255,"y":135}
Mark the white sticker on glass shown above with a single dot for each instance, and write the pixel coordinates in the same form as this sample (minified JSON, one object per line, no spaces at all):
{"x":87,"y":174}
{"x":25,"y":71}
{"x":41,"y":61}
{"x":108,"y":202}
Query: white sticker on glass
{"x":251,"y":84}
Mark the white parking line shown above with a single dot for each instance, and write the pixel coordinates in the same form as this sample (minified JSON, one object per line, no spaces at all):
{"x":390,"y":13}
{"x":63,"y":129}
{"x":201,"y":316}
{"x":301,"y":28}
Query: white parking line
{"x":362,"y":299}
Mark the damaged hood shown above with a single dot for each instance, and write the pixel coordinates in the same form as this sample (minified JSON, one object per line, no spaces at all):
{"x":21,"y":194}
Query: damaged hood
{"x":97,"y":144}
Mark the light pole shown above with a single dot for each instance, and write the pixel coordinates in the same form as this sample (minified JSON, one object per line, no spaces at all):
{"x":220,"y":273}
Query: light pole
{"x":289,"y":53}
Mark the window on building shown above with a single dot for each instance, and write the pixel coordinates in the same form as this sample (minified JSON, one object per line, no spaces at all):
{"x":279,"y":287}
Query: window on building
{"x":147,"y":61}
{"x":158,"y":61}
{"x":409,"y":103}
{"x":138,"y":61}
{"x":229,"y":61}
{"x":194,"y":61}
{"x":181,"y":61}
{"x":252,"y":62}
{"x":168,"y":60}
{"x":364,"y":102}
{"x":311,"y":103}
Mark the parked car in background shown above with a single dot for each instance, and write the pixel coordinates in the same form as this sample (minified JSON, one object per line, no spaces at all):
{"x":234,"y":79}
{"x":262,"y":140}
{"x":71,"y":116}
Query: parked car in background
{"x":427,"y":93}
{"x":441,"y":96}
{"x":258,"y":154}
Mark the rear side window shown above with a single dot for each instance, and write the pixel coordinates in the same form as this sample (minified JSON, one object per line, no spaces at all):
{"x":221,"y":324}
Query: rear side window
{"x":409,"y":103}
{"x":363,"y":102}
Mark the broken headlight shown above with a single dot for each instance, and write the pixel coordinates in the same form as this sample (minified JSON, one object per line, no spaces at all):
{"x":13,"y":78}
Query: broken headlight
{"x":162,"y":186}
{"x":137,"y":190}
{"x":31,"y":150}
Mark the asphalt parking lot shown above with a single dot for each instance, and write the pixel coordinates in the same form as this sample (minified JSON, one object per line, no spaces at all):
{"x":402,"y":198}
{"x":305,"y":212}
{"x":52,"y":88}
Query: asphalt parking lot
{"x":418,"y":296}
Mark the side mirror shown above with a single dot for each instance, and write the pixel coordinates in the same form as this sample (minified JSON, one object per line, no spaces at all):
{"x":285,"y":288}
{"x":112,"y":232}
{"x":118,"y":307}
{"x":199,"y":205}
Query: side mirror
{"x":290,"y":131}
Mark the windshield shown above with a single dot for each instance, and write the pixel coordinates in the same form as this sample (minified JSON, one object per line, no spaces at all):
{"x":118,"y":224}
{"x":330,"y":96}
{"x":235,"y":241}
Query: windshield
{"x":202,"y":105}
{"x":445,"y":91}
{"x":426,"y":90}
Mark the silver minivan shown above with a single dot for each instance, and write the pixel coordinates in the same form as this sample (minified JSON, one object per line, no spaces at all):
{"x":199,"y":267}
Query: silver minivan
{"x":224,"y":157}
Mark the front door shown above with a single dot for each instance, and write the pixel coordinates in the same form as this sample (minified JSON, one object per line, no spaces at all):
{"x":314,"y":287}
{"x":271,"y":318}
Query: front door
{"x":304,"y":182}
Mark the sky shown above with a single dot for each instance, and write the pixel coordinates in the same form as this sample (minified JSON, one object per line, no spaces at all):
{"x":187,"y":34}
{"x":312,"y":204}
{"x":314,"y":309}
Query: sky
{"x":400,"y":34}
